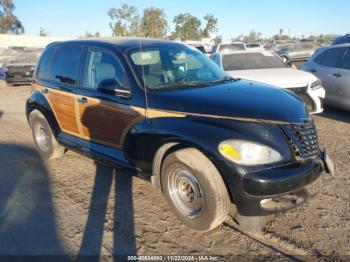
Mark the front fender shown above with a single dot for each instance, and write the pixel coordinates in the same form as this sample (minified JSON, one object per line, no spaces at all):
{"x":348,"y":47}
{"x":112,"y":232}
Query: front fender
{"x":146,"y":137}
{"x":38,"y":101}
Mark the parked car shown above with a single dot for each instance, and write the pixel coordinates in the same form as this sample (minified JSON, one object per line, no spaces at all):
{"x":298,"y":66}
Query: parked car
{"x":254,"y":46}
{"x":345,"y":39}
{"x":229,"y":47}
{"x":268,"y":68}
{"x":295,"y":52}
{"x":332,"y":66}
{"x":165,"y":112}
{"x":198,"y":46}
{"x":20,"y":70}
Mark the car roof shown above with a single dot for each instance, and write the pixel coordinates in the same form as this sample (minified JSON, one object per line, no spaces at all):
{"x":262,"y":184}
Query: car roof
{"x":335,"y":46}
{"x":121,"y":43}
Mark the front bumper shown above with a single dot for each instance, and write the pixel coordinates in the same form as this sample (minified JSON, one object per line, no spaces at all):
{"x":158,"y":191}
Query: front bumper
{"x":22,"y":80}
{"x":272,"y":190}
{"x":281,"y":180}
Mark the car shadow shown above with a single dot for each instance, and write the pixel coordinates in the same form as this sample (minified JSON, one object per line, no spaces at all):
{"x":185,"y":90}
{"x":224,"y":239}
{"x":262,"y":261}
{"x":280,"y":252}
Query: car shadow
{"x":336,"y":114}
{"x":123,"y":221}
{"x":122,"y":225}
{"x":27,"y":214}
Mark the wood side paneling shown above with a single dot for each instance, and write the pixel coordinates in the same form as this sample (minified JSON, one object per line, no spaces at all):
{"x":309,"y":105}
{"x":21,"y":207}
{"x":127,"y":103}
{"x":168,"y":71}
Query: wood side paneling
{"x":106,"y":123}
{"x":63,"y":105}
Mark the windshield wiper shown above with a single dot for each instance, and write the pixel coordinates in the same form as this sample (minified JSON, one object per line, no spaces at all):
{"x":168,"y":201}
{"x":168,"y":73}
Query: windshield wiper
{"x":224,"y":79}
{"x":179,"y":84}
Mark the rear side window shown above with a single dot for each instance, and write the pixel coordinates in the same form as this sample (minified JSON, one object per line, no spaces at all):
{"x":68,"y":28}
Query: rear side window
{"x":346,"y":60}
{"x":332,"y":57}
{"x":64,"y":68}
{"x":320,"y":57}
{"x":43,"y":72}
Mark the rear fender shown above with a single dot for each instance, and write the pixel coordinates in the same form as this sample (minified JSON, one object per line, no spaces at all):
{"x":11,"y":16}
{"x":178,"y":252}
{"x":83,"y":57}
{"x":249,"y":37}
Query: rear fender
{"x":38,"y":101}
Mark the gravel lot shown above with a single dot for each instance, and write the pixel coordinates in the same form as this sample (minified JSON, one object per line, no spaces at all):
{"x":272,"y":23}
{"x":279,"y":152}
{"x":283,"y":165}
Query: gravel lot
{"x":73,"y":206}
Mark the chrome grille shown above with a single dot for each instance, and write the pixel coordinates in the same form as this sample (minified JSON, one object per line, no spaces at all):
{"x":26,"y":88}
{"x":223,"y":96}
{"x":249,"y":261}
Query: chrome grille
{"x":303,"y":138}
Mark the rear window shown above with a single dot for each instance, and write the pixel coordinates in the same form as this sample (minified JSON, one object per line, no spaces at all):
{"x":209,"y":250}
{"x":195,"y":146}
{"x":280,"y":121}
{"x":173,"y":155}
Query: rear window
{"x":246,"y":61}
{"x":65,"y":62}
{"x":43,"y":71}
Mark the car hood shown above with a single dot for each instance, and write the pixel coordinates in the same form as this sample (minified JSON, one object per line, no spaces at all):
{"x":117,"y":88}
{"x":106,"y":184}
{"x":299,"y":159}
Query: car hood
{"x":281,"y":77}
{"x":241,"y":100}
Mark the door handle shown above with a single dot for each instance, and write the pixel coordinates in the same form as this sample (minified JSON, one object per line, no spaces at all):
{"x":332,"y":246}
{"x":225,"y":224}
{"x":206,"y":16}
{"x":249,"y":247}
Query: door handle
{"x":337,"y":74}
{"x":44,"y":90}
{"x":313,"y":70}
{"x":82,"y":100}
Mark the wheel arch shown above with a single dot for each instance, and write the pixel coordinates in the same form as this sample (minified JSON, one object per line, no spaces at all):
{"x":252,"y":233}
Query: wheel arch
{"x":169,"y":147}
{"x":39,"y":102}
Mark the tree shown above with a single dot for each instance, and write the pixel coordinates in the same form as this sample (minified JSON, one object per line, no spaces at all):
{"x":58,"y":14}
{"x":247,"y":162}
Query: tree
{"x":217,"y":40}
{"x":252,"y":37}
{"x":43,"y":32}
{"x":281,"y":32}
{"x":9,"y":23}
{"x":211,"y":26}
{"x":154,"y":23}
{"x":88,"y":34}
{"x":187,"y":27}
{"x":127,"y":21}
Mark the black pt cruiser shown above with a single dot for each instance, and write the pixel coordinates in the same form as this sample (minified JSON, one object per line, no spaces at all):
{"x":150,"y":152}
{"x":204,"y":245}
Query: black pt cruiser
{"x":165,"y":112}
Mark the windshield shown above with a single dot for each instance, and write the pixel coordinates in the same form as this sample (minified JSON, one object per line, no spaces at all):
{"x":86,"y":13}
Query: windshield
{"x":175,"y":66}
{"x":246,"y":61}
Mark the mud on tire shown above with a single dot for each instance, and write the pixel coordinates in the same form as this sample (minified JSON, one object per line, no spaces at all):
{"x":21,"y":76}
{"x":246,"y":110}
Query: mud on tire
{"x":190,"y":167}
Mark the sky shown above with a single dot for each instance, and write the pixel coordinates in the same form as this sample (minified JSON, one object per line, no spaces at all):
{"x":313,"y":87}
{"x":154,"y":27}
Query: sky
{"x":72,"y":18}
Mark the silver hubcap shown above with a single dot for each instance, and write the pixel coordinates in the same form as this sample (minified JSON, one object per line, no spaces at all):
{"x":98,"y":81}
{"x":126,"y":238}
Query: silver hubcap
{"x":42,"y":138}
{"x":185,"y":192}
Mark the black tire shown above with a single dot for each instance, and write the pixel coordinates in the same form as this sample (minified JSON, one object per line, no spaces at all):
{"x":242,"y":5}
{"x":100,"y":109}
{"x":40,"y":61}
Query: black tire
{"x":51,"y":148}
{"x":285,"y":59}
{"x":214,"y":197}
{"x":9,"y":84}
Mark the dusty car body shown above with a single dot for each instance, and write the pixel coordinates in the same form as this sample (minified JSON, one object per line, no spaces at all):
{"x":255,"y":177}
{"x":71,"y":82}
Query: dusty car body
{"x":166,"y":113}
{"x":229,"y":47}
{"x":295,"y":52}
{"x":265,"y":67}
{"x":332,"y":66}
{"x":20,"y":69}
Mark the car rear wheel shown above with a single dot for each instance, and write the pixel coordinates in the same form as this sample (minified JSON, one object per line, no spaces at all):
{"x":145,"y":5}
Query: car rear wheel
{"x":284,"y":59}
{"x":194,"y":189}
{"x":44,"y":139}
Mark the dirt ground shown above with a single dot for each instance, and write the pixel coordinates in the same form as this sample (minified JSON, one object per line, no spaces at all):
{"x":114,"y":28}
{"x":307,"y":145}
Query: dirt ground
{"x":73,"y":206}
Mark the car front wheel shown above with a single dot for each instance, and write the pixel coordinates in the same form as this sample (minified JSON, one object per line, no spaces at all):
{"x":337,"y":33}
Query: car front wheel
{"x":194,"y":189}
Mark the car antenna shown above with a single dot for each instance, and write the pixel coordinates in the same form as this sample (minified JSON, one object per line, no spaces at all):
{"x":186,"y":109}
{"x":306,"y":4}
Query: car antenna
{"x":144,"y":84}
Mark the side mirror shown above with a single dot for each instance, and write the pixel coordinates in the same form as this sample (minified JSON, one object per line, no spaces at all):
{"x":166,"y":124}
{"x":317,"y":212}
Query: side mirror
{"x":111,"y":87}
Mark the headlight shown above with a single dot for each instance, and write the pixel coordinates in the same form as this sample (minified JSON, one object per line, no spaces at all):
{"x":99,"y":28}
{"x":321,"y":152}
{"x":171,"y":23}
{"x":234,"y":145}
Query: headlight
{"x":248,"y":153}
{"x":316,"y":85}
